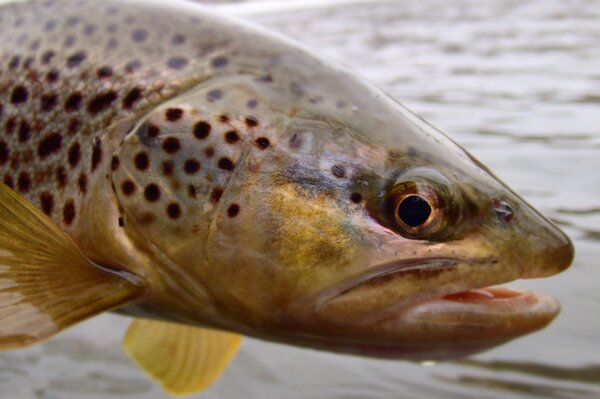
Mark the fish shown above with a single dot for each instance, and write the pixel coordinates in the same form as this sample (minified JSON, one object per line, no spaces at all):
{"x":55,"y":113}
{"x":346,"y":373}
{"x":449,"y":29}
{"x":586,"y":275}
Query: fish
{"x":214,"y":180}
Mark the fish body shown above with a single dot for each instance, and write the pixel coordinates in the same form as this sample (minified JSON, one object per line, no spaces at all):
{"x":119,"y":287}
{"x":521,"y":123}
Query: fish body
{"x":229,"y":178}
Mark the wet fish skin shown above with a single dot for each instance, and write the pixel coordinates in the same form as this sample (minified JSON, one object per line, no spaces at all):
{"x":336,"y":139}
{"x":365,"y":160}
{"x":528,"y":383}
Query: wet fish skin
{"x":244,"y":181}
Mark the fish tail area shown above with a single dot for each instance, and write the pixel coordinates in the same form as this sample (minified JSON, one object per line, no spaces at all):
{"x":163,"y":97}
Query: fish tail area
{"x":46,"y":283}
{"x":183,"y":359}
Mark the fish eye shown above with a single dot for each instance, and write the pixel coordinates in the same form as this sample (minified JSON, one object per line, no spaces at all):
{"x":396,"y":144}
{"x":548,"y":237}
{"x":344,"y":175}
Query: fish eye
{"x":414,"y":210}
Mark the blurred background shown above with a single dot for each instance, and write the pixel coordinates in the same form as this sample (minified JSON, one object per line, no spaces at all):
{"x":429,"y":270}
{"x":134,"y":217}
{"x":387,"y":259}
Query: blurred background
{"x":515,"y":82}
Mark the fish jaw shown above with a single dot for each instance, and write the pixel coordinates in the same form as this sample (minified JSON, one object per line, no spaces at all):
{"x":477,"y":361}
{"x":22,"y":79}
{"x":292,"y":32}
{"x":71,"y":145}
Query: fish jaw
{"x":448,"y":327}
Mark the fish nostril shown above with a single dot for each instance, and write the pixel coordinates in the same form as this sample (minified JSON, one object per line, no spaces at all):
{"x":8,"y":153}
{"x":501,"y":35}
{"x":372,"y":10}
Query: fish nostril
{"x":502,"y":210}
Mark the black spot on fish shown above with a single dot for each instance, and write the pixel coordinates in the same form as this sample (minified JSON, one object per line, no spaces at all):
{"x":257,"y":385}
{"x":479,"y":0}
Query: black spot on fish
{"x":101,"y":102}
{"x":171,"y":145}
{"x":173,"y":210}
{"x":24,"y":182}
{"x":128,"y":187}
{"x":216,"y":194}
{"x":201,"y":130}
{"x":19,"y":95}
{"x":69,"y":212}
{"x":48,"y":102}
{"x":47,"y":201}
{"x":74,"y":154}
{"x":226,"y":164}
{"x":141,"y":161}
{"x":233,"y":210}
{"x":73,"y":102}
{"x":96,"y":154}
{"x":232,"y":137}
{"x":76,"y":59}
{"x":251,"y":121}
{"x":132,"y":97}
{"x":152,"y":192}
{"x":262,"y":143}
{"x":173,"y":114}
{"x":168,"y":167}
{"x":191,"y":166}
{"x":49,"y":145}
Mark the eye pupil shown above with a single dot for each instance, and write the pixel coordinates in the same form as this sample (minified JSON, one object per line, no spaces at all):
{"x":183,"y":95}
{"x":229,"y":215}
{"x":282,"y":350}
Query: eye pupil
{"x":414,"y":210}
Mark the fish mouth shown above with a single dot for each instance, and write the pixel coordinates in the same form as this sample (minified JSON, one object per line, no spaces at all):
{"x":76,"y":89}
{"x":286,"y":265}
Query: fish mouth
{"x":442,"y":322}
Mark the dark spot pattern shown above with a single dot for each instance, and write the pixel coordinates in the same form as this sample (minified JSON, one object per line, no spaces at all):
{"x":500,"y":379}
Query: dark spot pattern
{"x":233,"y":210}
{"x":226,"y":164}
{"x":173,"y":210}
{"x":4,"y":152}
{"x":214,"y":95}
{"x":173,"y":114}
{"x":24,"y":132}
{"x":262,"y":143}
{"x":139,"y":35}
{"x":61,"y":177}
{"x":177,"y":62}
{"x":209,"y":152}
{"x":152,"y":192}
{"x":232,"y":137}
{"x":114,"y":163}
{"x":171,"y":145}
{"x":19,"y":95}
{"x":101,"y":102}
{"x":48,"y":102}
{"x":8,"y":180}
{"x":96,"y":154}
{"x":251,"y":121}
{"x":141,"y":161}
{"x":69,"y":212}
{"x":24,"y":182}
{"x":73,"y":102}
{"x":75,"y":59}
{"x":47,"y":201}
{"x":201,"y":130}
{"x":216,"y":195}
{"x":132,"y":97}
{"x":219,"y":62}
{"x":74,"y":154}
{"x":191,"y":166}
{"x":168,"y":167}
{"x":153,"y":130}
{"x":128,"y":187}
{"x":51,"y":144}
{"x":104,"y":72}
{"x":52,"y":76}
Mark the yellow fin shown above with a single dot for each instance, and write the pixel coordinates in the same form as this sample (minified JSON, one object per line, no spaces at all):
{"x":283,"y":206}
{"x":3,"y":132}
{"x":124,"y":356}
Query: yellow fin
{"x":46,"y":284}
{"x":183,"y":359}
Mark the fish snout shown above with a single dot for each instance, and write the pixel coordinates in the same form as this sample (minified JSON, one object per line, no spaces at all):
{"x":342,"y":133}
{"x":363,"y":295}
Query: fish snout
{"x":550,"y":249}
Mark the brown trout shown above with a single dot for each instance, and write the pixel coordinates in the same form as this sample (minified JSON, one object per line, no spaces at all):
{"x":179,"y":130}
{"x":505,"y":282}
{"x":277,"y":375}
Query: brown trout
{"x":212,"y":179}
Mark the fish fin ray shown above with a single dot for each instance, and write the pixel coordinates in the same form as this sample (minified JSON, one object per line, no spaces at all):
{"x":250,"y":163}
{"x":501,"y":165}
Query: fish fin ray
{"x":46,"y":283}
{"x":183,"y":359}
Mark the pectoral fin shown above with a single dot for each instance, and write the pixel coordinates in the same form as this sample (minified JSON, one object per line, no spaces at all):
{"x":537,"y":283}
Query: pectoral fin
{"x":181,"y":358}
{"x":46,"y":284}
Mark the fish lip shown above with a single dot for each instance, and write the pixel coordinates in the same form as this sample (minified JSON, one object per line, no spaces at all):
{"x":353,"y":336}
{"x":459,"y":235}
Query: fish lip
{"x":386,"y":269}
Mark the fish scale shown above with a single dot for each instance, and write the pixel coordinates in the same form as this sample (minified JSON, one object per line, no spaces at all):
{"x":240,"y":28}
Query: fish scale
{"x":65,"y":79}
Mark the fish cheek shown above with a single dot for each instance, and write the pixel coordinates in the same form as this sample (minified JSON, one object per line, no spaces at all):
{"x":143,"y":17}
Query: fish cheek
{"x":282,"y":246}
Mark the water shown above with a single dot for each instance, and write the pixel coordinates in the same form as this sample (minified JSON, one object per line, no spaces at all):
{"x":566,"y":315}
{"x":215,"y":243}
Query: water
{"x":518,"y":84}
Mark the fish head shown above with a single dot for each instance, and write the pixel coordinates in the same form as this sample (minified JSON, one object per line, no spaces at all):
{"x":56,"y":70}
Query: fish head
{"x":359,"y":229}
